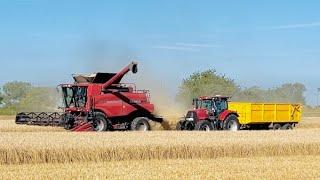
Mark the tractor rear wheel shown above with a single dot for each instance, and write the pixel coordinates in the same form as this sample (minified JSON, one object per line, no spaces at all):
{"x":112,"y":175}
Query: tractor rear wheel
{"x":204,"y":126}
{"x":276,"y":127}
{"x":100,"y":123}
{"x":140,"y":124}
{"x":232,"y":123}
{"x":287,"y":127}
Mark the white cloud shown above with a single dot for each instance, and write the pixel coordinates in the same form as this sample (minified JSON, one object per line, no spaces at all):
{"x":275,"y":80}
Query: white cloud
{"x":196,"y":45}
{"x":295,"y":26}
{"x":177,"y":48}
{"x":185,"y":47}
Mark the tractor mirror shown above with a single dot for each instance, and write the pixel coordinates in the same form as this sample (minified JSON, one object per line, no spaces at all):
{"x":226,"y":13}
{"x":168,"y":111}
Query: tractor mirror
{"x":134,"y":68}
{"x":193,"y":102}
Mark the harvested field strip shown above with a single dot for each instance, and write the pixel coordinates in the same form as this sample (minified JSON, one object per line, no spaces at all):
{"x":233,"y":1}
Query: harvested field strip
{"x":61,"y":147}
{"x":289,"y":167}
{"x":309,"y":123}
{"x":10,"y":126}
{"x":6,"y":117}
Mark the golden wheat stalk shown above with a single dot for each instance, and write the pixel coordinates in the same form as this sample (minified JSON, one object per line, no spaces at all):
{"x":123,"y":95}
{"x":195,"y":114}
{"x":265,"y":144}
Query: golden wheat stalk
{"x":60,"y":147}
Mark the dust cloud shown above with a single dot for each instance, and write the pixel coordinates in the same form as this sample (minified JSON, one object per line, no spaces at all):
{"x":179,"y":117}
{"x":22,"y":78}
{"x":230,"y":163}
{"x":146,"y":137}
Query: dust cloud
{"x":108,"y":56}
{"x":164,"y":100}
{"x":104,"y":56}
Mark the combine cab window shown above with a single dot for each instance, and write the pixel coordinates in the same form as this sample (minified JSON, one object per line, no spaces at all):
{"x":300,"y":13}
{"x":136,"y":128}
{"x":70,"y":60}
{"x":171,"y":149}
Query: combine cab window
{"x":75,"y":96}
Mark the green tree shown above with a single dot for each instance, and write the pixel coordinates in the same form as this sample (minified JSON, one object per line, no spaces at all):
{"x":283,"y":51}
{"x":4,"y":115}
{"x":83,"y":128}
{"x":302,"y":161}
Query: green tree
{"x":39,"y":99}
{"x":1,"y":100}
{"x":206,"y":83}
{"x":252,"y":94}
{"x":1,"y":97}
{"x":290,"y":93}
{"x":286,"y":93}
{"x":13,"y":92}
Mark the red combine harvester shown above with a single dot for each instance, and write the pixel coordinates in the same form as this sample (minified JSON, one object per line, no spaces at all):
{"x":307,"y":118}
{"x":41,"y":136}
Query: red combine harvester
{"x":99,"y":102}
{"x":210,"y":113}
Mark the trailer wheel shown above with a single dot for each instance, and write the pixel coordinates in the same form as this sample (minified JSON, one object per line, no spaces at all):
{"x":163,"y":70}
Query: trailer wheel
{"x":140,"y":124}
{"x":100,"y":123}
{"x":287,"y":127}
{"x":276,"y":127}
{"x":180,"y":126}
{"x":232,"y":123}
{"x":204,"y":126}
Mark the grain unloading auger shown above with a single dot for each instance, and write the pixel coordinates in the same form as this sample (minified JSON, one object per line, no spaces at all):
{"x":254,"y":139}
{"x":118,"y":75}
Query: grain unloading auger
{"x":99,"y":102}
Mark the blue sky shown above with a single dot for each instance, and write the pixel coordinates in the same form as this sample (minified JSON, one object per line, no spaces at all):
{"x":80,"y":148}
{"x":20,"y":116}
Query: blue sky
{"x":256,"y":43}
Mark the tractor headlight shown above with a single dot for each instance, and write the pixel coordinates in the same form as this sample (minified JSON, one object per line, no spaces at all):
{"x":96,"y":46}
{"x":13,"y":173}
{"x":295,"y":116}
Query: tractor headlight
{"x":190,"y":119}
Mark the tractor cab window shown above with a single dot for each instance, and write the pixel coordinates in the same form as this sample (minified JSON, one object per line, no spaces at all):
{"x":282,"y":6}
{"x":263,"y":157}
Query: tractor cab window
{"x":220,"y":105}
{"x":205,"y":104}
{"x":75,"y":96}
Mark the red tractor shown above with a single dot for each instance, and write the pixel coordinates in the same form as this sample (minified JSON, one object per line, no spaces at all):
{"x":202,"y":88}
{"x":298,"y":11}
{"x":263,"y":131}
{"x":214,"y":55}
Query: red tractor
{"x":99,"y":102}
{"x":210,"y":113}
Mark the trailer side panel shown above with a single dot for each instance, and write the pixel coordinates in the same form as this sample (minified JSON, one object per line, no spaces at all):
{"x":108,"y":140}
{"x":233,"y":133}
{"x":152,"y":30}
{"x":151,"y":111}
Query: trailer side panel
{"x":261,"y":113}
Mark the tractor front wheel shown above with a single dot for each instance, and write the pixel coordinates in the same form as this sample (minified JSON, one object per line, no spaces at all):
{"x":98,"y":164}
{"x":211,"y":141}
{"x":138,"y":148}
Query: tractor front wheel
{"x":204,"y":126}
{"x":140,"y":124}
{"x":180,"y":126}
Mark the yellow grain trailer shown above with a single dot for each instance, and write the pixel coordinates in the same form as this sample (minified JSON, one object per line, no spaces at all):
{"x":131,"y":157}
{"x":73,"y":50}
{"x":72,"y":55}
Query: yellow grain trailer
{"x":263,"y":115}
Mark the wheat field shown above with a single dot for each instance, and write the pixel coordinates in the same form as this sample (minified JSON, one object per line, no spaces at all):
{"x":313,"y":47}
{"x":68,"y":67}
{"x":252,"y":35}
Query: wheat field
{"x":35,"y":152}
{"x":283,"y":167}
{"x":10,"y":126}
{"x":61,"y":147}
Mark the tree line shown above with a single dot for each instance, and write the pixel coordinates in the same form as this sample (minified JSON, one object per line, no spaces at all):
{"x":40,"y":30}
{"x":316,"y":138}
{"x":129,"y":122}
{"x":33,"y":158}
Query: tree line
{"x":210,"y":83}
{"x":22,"y":96}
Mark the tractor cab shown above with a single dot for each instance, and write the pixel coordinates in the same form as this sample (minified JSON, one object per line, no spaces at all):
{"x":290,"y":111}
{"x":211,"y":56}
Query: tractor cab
{"x":213,"y":105}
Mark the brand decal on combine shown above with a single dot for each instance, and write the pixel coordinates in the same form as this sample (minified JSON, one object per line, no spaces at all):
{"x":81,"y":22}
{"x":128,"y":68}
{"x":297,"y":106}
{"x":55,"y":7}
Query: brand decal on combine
{"x":135,"y":101}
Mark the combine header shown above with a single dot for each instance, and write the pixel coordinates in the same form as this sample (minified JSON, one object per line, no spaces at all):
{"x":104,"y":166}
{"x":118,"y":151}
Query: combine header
{"x":99,"y":102}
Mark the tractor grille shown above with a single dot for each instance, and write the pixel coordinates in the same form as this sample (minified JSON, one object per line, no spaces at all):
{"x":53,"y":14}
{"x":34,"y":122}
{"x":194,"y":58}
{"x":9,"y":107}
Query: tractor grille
{"x":192,"y":114}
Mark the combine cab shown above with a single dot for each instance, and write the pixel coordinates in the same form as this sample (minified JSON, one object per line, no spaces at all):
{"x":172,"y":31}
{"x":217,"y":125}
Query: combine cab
{"x":99,"y":102}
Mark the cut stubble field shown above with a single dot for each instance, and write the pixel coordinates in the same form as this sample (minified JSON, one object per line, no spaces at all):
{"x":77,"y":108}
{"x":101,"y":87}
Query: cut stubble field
{"x":39,"y":152}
